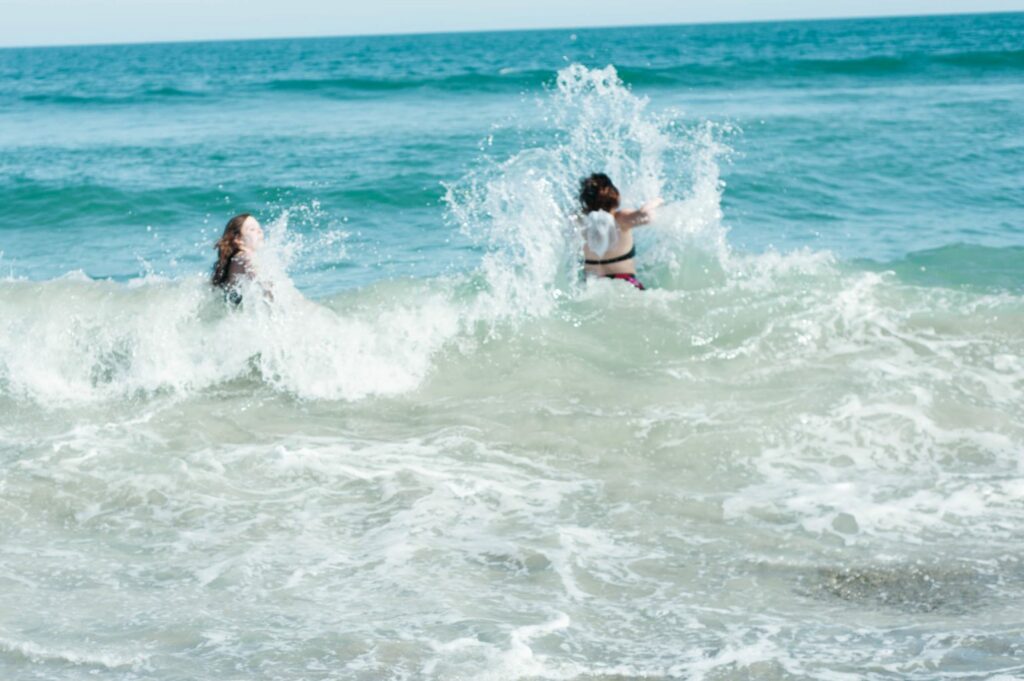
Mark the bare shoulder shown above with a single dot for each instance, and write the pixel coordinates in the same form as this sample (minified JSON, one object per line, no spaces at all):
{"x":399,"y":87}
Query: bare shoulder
{"x":241,"y":266}
{"x":641,"y":216}
{"x":627,"y":219}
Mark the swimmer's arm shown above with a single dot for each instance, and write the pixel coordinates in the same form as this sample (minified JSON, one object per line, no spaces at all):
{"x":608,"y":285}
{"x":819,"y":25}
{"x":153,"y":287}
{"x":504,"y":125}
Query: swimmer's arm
{"x":635,"y":218}
{"x":268,"y":291}
{"x":250,"y":270}
{"x":267,"y":287}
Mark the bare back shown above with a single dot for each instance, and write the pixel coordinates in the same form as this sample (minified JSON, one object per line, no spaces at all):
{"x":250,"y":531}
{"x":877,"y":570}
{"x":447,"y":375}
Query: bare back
{"x":624,"y":244}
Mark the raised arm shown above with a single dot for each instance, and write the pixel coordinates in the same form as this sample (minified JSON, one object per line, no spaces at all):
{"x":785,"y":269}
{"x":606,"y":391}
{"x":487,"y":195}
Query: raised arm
{"x":635,"y":218}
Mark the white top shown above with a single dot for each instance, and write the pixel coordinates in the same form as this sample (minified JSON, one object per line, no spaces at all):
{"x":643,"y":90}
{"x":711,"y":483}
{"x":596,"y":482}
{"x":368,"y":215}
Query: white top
{"x":600,"y":231}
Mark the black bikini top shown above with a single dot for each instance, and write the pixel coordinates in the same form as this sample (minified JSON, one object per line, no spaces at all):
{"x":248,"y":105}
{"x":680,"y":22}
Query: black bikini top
{"x":609,"y":261}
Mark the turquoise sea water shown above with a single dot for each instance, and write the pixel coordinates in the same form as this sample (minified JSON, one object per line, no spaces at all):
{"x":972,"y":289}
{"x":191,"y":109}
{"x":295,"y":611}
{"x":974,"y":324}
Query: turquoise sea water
{"x":438,"y":452}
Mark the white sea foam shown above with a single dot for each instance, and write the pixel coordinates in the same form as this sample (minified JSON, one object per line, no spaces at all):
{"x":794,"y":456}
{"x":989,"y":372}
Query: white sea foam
{"x":89,"y":658}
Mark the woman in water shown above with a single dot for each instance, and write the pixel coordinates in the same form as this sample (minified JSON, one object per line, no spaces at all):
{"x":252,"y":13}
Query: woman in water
{"x":236,"y":250}
{"x":608,"y":248}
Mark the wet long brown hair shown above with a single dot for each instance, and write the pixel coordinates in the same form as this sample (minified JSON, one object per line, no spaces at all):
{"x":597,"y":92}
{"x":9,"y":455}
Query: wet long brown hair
{"x":598,"y":193}
{"x":227,"y":247}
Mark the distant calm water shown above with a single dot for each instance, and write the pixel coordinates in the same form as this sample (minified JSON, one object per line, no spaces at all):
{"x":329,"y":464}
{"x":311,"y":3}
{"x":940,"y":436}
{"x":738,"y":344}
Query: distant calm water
{"x":438,"y":453}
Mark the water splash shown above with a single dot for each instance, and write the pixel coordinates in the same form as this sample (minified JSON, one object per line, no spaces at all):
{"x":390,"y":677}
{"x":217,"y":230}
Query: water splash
{"x":522,"y":208}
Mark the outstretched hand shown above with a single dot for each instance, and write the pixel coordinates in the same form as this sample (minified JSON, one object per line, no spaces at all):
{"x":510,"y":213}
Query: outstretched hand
{"x":652,"y":205}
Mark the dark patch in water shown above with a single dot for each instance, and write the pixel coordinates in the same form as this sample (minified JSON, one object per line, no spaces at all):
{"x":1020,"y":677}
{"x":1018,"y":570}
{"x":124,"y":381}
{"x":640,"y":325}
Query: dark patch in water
{"x":528,"y":563}
{"x":760,"y":670}
{"x":617,"y":677}
{"x":112,"y":365}
{"x":908,"y":588}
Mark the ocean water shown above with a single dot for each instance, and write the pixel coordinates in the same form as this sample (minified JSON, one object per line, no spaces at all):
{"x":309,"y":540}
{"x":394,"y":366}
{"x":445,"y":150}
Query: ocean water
{"x":438,"y":453}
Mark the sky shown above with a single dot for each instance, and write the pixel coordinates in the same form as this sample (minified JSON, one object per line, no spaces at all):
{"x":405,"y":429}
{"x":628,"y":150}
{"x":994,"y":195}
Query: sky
{"x":68,"y":22}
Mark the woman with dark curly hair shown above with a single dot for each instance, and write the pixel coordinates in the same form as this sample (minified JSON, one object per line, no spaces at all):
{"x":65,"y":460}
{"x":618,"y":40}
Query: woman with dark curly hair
{"x":608,"y":248}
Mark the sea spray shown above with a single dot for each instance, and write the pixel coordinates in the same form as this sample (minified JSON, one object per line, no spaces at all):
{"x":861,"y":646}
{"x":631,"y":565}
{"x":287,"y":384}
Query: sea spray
{"x":99,"y":341}
{"x":524,"y":209}
{"x":75,"y":339}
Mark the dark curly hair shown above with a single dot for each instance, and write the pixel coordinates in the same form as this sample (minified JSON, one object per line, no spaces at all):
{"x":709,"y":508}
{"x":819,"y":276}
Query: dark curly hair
{"x":598,"y":193}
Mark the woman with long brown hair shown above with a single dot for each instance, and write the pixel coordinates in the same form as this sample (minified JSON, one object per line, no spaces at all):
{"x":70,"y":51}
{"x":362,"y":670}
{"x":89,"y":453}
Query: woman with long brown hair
{"x":242,"y":237}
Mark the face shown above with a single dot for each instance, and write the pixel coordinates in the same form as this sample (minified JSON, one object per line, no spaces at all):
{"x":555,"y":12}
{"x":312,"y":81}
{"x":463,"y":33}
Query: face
{"x":251,"y":234}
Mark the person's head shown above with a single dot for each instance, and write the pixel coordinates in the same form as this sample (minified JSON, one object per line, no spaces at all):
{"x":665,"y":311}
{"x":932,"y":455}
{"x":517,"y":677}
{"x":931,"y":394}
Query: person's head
{"x":242,"y":233}
{"x":598,"y":193}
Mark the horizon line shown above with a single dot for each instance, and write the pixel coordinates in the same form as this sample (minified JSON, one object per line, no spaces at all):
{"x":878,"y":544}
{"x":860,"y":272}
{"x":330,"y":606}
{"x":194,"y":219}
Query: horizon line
{"x":737,"y":22}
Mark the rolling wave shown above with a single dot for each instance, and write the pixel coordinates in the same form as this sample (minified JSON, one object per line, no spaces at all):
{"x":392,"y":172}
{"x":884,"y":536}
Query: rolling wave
{"x":693,"y":70}
{"x":463,"y":82}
